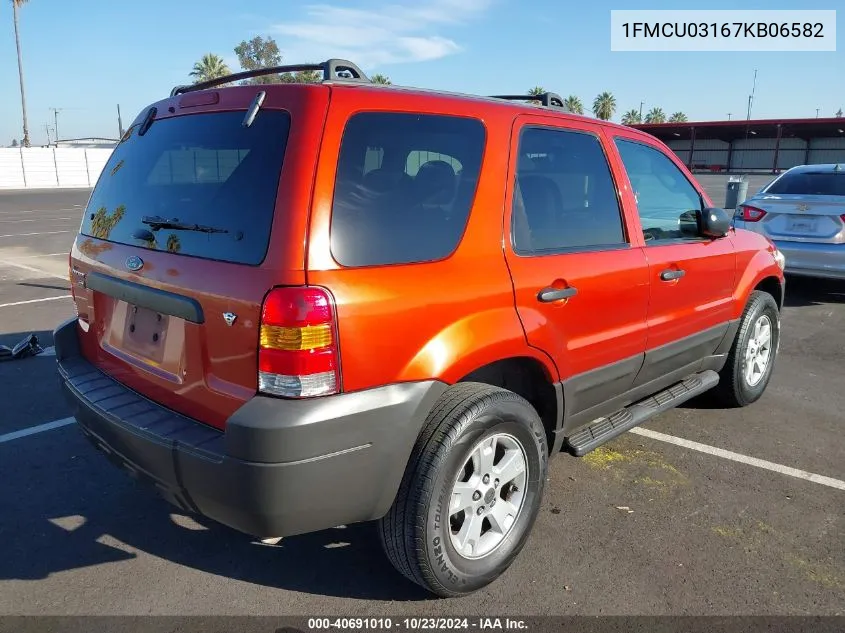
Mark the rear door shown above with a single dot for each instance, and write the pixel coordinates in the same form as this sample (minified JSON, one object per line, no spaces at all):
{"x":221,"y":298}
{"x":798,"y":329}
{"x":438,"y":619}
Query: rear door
{"x":691,"y":278}
{"x":192,"y":221}
{"x":580,"y":282}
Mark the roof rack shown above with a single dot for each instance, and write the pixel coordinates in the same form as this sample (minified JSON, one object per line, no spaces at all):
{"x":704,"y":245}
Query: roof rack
{"x":332,"y":69}
{"x":547,"y":99}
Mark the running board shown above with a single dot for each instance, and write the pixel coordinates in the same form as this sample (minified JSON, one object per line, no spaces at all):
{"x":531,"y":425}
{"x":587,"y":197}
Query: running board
{"x":605,"y":429}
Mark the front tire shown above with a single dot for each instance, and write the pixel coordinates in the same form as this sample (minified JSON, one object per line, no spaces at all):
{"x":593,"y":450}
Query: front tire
{"x":471,"y":491}
{"x":747,"y":372}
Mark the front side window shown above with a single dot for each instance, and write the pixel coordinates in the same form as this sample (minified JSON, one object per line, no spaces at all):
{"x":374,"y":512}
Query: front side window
{"x":405,"y":187}
{"x":565,"y":197}
{"x":666,"y":201}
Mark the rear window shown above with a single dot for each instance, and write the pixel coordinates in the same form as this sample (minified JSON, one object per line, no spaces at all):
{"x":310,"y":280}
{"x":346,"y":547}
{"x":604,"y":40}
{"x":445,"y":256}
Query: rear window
{"x":810,"y":183}
{"x":405,"y":187}
{"x":200,"y":171}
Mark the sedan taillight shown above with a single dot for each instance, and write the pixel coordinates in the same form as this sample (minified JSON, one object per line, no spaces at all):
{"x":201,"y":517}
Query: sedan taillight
{"x":747,"y":213}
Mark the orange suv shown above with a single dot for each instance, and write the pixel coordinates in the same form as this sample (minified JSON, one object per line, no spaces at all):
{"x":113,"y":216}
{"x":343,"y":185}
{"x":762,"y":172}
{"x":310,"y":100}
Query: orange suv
{"x":306,"y":305}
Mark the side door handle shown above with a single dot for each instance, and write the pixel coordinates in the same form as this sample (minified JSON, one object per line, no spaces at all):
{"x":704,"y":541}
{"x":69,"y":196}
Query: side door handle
{"x":547,"y":295}
{"x":670,"y":274}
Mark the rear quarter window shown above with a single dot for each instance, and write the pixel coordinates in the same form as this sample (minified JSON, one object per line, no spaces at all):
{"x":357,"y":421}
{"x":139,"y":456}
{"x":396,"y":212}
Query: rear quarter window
{"x":199,"y":169}
{"x":405,"y":186}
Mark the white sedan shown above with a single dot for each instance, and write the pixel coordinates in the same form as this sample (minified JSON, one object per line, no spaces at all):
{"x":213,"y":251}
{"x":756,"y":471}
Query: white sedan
{"x":803,"y":212}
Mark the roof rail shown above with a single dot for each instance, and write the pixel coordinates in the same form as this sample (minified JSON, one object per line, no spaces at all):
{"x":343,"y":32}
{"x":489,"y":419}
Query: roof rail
{"x":547,"y":99}
{"x":332,"y":69}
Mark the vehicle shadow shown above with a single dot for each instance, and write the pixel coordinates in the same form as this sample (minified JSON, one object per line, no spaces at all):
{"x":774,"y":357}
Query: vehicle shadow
{"x":29,"y":284}
{"x":808,"y":291}
{"x":90,"y":516}
{"x":67,"y":507}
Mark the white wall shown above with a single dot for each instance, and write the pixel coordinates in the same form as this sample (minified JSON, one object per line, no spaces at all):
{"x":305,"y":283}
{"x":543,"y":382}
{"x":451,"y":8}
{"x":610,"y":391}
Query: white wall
{"x":42,"y":168}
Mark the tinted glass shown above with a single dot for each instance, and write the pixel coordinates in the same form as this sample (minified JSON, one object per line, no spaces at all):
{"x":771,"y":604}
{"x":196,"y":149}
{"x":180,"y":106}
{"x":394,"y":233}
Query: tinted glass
{"x":565,"y":196}
{"x":665,"y":198}
{"x":810,"y":183}
{"x":405,"y":186}
{"x":204,"y":169}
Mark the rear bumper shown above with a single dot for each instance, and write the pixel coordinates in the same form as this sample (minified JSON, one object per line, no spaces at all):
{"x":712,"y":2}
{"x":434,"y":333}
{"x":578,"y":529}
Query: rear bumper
{"x":282,"y":467}
{"x":813,"y":259}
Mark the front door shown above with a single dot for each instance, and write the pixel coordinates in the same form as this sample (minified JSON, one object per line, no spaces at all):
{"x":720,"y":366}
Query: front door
{"x":691,"y":277}
{"x":580,"y":284}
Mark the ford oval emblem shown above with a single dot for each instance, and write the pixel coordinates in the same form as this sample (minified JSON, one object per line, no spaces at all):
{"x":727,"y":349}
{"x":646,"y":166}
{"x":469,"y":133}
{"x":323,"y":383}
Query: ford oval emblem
{"x":134,"y":263}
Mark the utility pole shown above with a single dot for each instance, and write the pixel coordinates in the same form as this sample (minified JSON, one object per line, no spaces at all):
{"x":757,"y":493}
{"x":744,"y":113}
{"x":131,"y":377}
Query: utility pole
{"x":751,"y":96}
{"x":729,"y":116}
{"x":641,"y":111}
{"x":119,"y":123}
{"x":47,"y":129}
{"x":56,"y":120}
{"x":817,"y":113}
{"x":25,"y":142}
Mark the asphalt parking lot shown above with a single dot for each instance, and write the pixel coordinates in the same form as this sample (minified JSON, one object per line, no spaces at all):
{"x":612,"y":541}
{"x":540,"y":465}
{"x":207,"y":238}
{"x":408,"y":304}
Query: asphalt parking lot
{"x":641,"y":526}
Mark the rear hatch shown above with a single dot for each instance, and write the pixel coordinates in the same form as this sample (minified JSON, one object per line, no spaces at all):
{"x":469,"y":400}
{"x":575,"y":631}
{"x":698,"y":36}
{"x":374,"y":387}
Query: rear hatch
{"x":193,"y":220}
{"x":804,"y":206}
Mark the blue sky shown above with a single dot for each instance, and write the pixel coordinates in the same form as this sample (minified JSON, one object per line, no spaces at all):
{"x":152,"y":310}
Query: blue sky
{"x":87,"y":56}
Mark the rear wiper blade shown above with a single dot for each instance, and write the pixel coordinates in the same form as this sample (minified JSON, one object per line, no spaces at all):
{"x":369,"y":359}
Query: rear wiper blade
{"x":157,"y":222}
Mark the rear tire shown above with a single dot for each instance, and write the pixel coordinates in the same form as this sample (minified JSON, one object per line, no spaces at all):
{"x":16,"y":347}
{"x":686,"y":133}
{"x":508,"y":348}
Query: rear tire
{"x":747,"y":372}
{"x":473,"y":431}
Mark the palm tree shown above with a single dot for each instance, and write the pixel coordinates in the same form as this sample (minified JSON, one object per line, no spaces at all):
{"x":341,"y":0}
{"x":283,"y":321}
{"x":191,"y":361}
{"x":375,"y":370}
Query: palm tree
{"x":16,"y":4}
{"x":655,"y":115}
{"x":383,"y":80}
{"x":574,"y":104}
{"x":536,"y":91}
{"x":839,"y":113}
{"x":678,"y":117}
{"x":211,"y":66}
{"x":631,"y":117}
{"x":604,"y":106}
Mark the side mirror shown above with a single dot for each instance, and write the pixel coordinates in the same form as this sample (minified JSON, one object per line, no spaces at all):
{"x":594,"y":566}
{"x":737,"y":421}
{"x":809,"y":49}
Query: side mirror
{"x":714,"y":222}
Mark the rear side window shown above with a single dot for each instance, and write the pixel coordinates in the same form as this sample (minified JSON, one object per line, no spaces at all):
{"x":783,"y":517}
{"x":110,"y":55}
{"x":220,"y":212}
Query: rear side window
{"x":212,"y":179}
{"x":564,"y":197}
{"x":810,"y":184}
{"x":405,"y":186}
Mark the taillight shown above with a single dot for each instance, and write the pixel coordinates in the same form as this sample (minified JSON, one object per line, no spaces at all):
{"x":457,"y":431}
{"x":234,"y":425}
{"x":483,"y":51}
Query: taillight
{"x":298,"y":353}
{"x":747,"y":213}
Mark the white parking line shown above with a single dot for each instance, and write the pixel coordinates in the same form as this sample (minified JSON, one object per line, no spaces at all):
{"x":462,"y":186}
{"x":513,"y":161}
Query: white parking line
{"x":33,"y":269}
{"x":65,"y":254}
{"x":22,"y":303}
{"x":742,"y":459}
{"x":33,"y":430}
{"x":29,"y":234}
{"x":33,"y":220}
{"x":19,"y":211}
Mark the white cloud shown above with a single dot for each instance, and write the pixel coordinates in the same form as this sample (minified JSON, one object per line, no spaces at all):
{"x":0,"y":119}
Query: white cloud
{"x":371,"y":37}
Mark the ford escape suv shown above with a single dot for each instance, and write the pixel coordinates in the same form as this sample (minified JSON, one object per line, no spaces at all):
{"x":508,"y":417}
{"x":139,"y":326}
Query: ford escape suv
{"x":307,"y":305}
